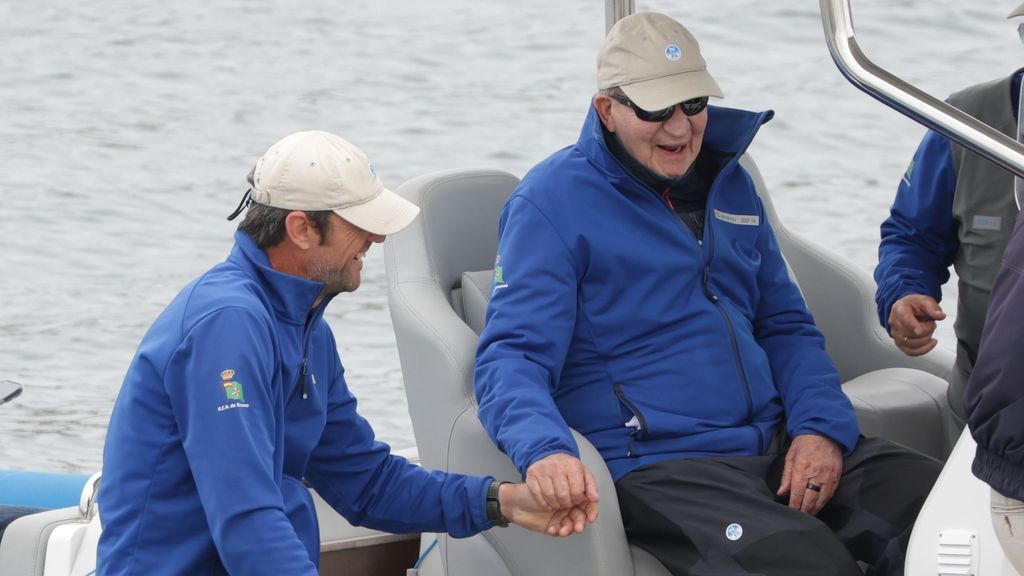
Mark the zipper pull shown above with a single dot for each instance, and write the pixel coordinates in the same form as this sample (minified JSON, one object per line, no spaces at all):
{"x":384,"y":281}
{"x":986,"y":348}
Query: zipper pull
{"x":707,"y":290}
{"x":305,"y":371}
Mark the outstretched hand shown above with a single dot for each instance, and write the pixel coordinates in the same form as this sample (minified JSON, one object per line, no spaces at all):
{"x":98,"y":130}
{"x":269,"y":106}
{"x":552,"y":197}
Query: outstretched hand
{"x":811,"y":474}
{"x":521,"y":507}
{"x":912,"y":322}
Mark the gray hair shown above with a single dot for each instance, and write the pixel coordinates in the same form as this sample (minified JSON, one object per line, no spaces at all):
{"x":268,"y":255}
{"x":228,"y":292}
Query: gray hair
{"x":265,"y":224}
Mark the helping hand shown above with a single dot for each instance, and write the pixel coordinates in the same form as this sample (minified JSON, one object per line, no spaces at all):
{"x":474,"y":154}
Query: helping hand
{"x":519,"y":505}
{"x":561,"y":481}
{"x":811,"y":461}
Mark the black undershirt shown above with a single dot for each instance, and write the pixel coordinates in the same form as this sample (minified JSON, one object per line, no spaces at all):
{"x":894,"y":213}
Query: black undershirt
{"x":687,"y":195}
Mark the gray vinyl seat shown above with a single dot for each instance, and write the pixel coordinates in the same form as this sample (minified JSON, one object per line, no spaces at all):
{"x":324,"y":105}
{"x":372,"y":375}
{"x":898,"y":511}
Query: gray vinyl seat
{"x":439,"y":272}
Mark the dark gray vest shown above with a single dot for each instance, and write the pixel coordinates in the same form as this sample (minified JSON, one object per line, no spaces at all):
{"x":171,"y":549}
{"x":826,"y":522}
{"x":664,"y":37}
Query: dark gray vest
{"x":984,"y":209}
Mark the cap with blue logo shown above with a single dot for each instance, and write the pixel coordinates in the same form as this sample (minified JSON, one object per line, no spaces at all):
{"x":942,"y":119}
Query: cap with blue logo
{"x":655,"y":61}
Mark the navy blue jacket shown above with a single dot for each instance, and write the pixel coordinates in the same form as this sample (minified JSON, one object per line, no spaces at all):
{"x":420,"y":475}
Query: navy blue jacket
{"x":236,"y":395}
{"x":609,"y":317}
{"x":994,"y":399}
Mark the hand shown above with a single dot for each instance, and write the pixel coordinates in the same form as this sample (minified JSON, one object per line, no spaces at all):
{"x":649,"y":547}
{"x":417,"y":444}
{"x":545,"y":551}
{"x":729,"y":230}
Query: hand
{"x":519,"y":505}
{"x":561,"y":481}
{"x":912,"y":323}
{"x":814,"y":459}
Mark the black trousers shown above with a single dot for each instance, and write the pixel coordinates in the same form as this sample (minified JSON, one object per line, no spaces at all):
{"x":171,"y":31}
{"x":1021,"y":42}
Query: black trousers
{"x":720,"y":516}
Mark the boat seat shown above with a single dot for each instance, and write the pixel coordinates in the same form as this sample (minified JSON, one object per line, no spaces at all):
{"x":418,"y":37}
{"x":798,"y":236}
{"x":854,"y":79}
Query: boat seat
{"x":841,"y":296}
{"x":439,"y":281}
{"x":57,"y":542}
{"x":457,"y":232}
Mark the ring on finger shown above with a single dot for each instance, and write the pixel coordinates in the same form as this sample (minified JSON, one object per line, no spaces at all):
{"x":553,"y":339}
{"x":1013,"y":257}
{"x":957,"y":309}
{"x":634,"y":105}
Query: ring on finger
{"x":813,"y":487}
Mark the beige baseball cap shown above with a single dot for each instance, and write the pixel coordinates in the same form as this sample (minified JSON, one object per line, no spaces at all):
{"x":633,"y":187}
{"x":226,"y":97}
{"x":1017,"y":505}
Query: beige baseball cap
{"x":1018,"y":11}
{"x":320,"y":171}
{"x":655,"y":61}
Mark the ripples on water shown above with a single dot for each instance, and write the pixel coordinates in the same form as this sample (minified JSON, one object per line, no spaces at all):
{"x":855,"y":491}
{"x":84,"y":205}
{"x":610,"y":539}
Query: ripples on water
{"x":127,"y":133}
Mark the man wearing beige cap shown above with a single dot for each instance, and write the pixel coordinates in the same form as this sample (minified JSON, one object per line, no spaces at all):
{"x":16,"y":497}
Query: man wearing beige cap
{"x":643,"y":301}
{"x":237,"y":396}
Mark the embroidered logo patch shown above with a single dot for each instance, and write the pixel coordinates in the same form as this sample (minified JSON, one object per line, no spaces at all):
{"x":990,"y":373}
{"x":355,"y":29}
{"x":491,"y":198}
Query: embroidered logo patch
{"x":232,"y":388}
{"x":499,"y":276}
{"x":738,"y":219}
{"x":232,"y":391}
{"x":993,"y":223}
{"x":673,"y":53}
{"x":909,"y":173}
{"x":734,"y":531}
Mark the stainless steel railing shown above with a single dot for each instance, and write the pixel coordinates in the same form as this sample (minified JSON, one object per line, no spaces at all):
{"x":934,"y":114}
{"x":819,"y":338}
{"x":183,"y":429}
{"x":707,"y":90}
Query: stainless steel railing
{"x":908,"y":100}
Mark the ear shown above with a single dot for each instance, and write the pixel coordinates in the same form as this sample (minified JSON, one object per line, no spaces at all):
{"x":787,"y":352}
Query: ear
{"x":300,"y":231}
{"x":603,"y":105}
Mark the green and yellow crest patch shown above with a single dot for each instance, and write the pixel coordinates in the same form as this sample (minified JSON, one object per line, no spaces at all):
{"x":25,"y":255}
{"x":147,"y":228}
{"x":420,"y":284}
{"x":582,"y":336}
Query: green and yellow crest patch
{"x":232,"y":387}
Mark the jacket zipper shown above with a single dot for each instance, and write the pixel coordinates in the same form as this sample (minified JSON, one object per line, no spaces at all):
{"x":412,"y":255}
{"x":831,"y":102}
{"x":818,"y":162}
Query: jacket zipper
{"x":713,"y":298}
{"x":642,"y":430}
{"x":301,"y":389}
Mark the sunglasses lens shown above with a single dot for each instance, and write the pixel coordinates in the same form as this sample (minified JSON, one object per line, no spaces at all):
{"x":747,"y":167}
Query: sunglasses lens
{"x":694,"y":106}
{"x":655,"y":116}
{"x":691,"y":107}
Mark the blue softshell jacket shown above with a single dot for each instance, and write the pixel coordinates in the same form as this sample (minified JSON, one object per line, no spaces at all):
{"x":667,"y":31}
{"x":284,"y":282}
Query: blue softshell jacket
{"x":608,"y":316}
{"x":236,"y":395}
{"x":919,"y":238}
{"x":994,"y":398}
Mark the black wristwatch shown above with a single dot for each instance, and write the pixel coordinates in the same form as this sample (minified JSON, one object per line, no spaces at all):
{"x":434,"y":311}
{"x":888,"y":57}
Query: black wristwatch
{"x":494,"y":514}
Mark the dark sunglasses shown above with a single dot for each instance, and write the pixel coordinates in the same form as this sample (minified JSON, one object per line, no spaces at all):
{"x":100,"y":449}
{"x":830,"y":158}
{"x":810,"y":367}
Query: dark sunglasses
{"x":690,"y":107}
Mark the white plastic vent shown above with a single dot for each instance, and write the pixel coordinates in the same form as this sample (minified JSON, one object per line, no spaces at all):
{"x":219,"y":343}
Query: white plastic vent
{"x":958,"y":553}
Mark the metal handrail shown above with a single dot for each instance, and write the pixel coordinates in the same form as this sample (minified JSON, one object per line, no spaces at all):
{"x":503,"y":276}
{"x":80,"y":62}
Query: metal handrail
{"x":615,"y":10}
{"x":908,"y":100}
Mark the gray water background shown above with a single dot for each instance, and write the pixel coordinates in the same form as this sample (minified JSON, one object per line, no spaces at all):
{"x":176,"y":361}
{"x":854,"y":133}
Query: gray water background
{"x":127,"y":129}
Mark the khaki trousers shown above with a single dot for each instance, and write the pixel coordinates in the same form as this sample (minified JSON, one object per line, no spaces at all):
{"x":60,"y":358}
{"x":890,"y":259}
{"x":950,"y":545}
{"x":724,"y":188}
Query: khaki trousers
{"x":1008,"y":521}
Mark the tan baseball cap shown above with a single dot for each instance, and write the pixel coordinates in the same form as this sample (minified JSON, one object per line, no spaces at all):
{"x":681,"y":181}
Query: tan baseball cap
{"x":320,"y":171}
{"x":655,"y":61}
{"x":1018,"y":11}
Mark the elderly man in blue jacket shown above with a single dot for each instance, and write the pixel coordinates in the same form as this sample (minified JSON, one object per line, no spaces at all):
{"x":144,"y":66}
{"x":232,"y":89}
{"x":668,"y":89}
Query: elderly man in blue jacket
{"x":641,"y":298}
{"x":237,"y":397}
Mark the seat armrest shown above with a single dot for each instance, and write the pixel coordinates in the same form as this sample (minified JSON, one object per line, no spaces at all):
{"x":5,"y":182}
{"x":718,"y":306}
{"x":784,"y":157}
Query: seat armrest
{"x":23,"y":548}
{"x":904,"y":405}
{"x":526,"y":553}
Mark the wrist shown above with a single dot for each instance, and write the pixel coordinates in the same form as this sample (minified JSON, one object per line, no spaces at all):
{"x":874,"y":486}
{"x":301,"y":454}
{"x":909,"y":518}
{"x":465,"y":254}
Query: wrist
{"x":495,"y":515}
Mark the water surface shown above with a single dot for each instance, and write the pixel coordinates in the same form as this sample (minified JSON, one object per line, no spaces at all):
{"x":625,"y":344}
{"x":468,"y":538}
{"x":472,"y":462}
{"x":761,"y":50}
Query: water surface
{"x":127,"y":129}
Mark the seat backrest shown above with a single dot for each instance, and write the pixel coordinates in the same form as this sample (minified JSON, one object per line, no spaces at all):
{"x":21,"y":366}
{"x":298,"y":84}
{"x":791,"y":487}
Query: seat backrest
{"x":455,"y":233}
{"x":841,"y":295}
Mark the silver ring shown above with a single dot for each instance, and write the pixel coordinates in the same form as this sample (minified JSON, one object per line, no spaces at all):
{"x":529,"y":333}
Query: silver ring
{"x":813,"y":487}
{"x":905,"y":338}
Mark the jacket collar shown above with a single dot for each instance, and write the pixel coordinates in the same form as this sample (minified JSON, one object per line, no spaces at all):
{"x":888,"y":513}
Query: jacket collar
{"x":729,"y":132}
{"x":292,"y":297}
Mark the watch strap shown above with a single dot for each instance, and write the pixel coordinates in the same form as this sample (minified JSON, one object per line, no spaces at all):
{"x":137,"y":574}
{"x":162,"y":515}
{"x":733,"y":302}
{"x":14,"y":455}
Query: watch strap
{"x":494,"y":515}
